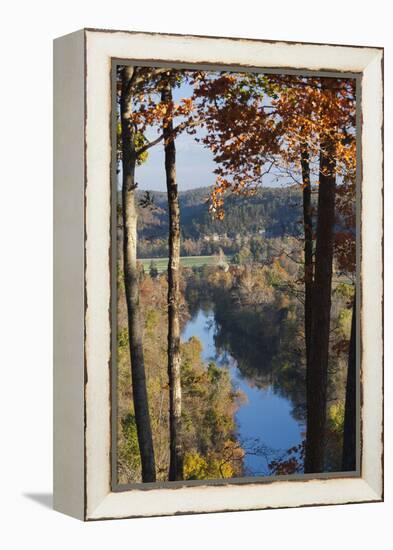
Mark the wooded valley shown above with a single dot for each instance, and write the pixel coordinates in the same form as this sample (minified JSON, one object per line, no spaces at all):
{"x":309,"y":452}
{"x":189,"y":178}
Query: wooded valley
{"x":236,"y":313}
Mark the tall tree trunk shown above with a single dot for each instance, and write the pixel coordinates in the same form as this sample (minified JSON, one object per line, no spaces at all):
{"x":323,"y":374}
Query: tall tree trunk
{"x":316,"y":384}
{"x":174,"y":360}
{"x":349,"y":444}
{"x":131,"y":282}
{"x":308,"y":249}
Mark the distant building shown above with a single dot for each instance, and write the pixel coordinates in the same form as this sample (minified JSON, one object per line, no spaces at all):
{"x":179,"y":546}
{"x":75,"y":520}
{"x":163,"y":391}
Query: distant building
{"x":215,"y":237}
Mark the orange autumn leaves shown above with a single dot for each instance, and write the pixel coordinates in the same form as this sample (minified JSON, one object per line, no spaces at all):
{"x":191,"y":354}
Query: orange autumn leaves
{"x":153,"y":113}
{"x":239,"y":131}
{"x":258,"y":124}
{"x":261,"y":122}
{"x":251,"y":122}
{"x":315,"y":110}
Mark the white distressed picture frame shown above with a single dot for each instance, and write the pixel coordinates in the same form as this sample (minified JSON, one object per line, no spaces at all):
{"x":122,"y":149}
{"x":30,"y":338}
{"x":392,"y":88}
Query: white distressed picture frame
{"x":82,"y":241}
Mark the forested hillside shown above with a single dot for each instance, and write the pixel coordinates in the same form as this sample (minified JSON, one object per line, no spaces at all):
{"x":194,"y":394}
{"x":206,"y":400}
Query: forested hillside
{"x":271,"y":212}
{"x":236,"y":304}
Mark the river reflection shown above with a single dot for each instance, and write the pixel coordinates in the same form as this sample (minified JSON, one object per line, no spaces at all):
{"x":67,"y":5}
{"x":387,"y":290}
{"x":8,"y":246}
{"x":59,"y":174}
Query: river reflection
{"x":266,"y":427}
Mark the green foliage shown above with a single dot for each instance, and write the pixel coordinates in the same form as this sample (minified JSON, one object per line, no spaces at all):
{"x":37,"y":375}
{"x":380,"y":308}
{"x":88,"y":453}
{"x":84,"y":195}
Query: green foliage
{"x":122,"y":339}
{"x":243,"y":257}
{"x":152,"y":319}
{"x":215,"y":373}
{"x":344,"y":322}
{"x":128,"y":446}
{"x":139,"y":141}
{"x":195,"y":466}
{"x":198,"y":467}
{"x":336,"y":415}
{"x":120,"y":278}
{"x":345,"y":290}
{"x":248,"y":222}
{"x":153,"y":271}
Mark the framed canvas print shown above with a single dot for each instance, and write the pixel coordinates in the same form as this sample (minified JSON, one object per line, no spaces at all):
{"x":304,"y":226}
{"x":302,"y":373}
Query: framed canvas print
{"x":218,"y":274}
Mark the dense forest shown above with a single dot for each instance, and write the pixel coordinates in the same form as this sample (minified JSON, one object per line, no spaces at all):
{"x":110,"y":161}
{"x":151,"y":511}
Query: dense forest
{"x":271,"y":212}
{"x":236,"y":314}
{"x":209,"y":400}
{"x":259,"y":320}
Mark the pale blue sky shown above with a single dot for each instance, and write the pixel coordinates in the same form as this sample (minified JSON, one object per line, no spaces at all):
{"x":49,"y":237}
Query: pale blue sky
{"x":194,"y":166}
{"x":194,"y":162}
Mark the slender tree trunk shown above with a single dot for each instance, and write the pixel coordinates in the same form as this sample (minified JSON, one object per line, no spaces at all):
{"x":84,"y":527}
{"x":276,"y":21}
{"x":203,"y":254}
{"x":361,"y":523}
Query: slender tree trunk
{"x":174,"y":360}
{"x":135,"y":332}
{"x":316,"y":385}
{"x":308,"y":250}
{"x":349,"y":444}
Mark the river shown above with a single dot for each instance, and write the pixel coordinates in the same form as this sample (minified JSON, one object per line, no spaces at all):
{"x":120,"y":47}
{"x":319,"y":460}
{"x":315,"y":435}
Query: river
{"x":265,"y":424}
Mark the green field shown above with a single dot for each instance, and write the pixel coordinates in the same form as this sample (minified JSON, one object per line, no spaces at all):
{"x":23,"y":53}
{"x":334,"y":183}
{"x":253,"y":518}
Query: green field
{"x":185,"y":261}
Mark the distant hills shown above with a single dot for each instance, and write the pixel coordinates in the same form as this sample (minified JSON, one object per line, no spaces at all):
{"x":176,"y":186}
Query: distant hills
{"x":273,"y":212}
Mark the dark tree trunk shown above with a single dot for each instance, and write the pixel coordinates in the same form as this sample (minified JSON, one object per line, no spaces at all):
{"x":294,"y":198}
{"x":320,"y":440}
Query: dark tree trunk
{"x":349,"y":444}
{"x":174,"y":360}
{"x":308,"y":249}
{"x":317,"y":379}
{"x":131,"y":282}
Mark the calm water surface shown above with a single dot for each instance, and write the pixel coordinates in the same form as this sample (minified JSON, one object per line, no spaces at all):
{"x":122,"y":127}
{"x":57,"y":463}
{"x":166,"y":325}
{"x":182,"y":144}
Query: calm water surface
{"x":265,"y":423}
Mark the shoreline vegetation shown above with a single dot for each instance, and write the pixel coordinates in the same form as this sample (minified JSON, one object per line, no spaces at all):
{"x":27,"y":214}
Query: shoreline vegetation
{"x":274,"y":266}
{"x":260,"y":322}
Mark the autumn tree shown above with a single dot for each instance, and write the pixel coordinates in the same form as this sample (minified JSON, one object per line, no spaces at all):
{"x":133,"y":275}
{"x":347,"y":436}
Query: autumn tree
{"x":295,"y":127}
{"x":301,"y":127}
{"x":174,"y":359}
{"x":345,"y":255}
{"x":332,"y":130}
{"x":130,"y":154}
{"x":156,"y":109}
{"x":317,"y":372}
{"x":318,"y":122}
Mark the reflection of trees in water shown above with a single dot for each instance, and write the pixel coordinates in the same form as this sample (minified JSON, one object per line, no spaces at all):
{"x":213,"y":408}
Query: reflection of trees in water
{"x":272,"y":461}
{"x":261,"y":345}
{"x":272,"y":358}
{"x":266,"y":355}
{"x":197,"y":302}
{"x":265,"y":340}
{"x":253,"y":446}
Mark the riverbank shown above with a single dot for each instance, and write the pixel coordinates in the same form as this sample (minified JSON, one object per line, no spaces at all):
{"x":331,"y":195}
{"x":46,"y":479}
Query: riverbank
{"x":261,"y":439}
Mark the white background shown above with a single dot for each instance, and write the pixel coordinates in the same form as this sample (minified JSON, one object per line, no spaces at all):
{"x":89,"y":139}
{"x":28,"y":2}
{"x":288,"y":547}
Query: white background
{"x":27,"y":29}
